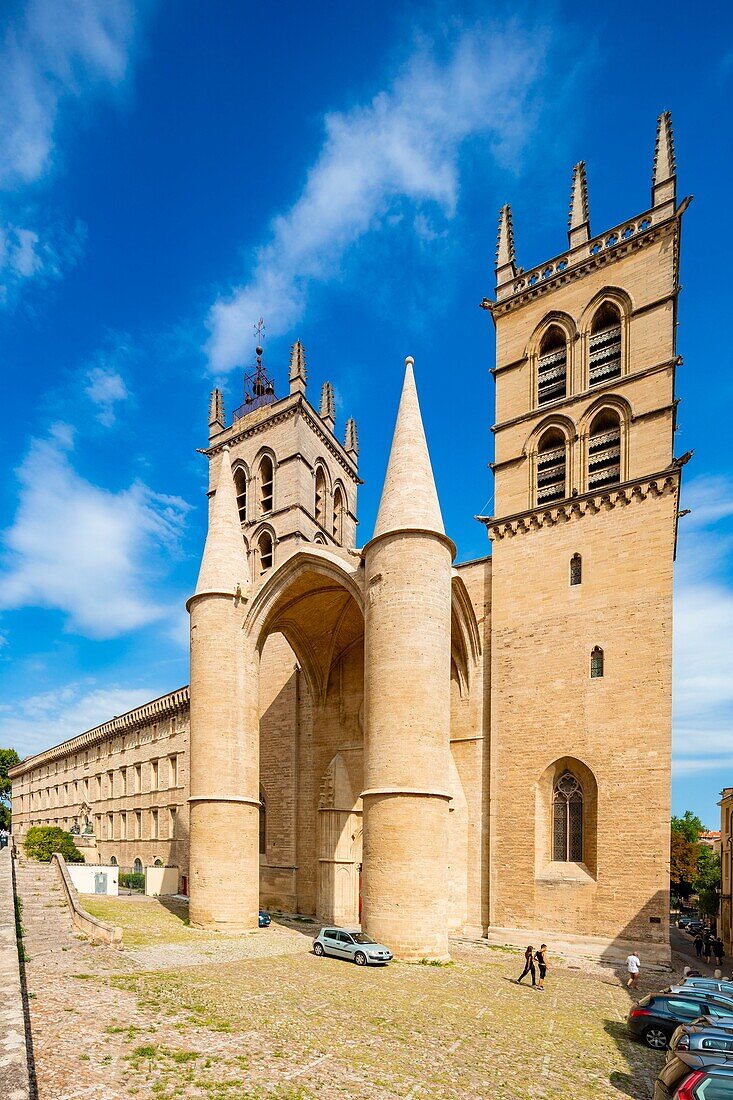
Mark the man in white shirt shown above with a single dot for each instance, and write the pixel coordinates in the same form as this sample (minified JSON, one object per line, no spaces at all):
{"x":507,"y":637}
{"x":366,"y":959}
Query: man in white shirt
{"x":633,"y":965}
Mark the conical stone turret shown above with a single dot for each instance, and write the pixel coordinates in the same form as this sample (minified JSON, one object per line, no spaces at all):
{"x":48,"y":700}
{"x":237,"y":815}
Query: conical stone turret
{"x":224,"y":747}
{"x":224,"y":562}
{"x":409,"y":497}
{"x":407,"y":735}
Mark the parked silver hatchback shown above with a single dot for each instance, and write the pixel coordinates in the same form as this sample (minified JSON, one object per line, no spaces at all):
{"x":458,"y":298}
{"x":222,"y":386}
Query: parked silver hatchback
{"x":346,"y":943}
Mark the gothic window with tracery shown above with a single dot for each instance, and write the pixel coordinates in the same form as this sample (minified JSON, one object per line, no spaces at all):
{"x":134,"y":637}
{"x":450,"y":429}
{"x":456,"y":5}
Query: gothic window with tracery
{"x":552,"y":366}
{"x":605,"y":345}
{"x":596,"y":662}
{"x":240,"y":487}
{"x":604,"y":450}
{"x":551,"y":467}
{"x":576,"y":569}
{"x":567,"y":820}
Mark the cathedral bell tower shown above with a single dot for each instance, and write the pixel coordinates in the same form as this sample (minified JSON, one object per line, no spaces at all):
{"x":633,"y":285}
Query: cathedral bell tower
{"x":295,"y":480}
{"x":583,"y":541}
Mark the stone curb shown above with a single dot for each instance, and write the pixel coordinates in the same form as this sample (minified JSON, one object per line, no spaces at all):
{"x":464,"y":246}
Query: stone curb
{"x":98,"y":931}
{"x":14,"y":1077}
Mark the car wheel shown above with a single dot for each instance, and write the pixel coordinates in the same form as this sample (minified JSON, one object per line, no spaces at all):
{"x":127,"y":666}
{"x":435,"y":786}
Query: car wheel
{"x":318,"y":949}
{"x":655,"y":1038}
{"x":360,"y":958}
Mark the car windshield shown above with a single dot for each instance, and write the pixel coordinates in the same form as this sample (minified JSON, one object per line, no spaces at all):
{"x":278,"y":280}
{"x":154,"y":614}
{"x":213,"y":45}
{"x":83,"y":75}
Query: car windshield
{"x":361,"y":937}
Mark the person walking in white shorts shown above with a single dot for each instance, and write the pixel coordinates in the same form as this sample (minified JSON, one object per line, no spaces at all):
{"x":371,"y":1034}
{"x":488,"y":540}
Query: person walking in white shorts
{"x":633,"y":965}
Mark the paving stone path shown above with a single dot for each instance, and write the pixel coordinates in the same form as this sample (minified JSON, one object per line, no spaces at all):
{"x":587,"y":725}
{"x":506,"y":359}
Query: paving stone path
{"x":160,"y":1022}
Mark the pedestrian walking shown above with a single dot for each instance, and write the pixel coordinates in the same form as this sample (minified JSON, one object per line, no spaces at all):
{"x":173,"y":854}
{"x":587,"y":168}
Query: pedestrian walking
{"x":541,"y":960}
{"x":707,"y":948}
{"x":528,"y":966}
{"x":633,"y":965}
{"x":698,"y":945}
{"x":718,"y":951}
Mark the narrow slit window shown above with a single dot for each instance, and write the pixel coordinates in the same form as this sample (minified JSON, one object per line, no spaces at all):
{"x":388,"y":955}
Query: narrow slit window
{"x":604,"y":450}
{"x":264,"y":550}
{"x":605,"y":345}
{"x":576,"y":569}
{"x":551,"y":467}
{"x":267,"y":481}
{"x":596,"y":663}
{"x":320,"y":503}
{"x":263,"y":825}
{"x":240,"y":485}
{"x":552,"y":366}
{"x":567,"y":820}
{"x":338,"y":516}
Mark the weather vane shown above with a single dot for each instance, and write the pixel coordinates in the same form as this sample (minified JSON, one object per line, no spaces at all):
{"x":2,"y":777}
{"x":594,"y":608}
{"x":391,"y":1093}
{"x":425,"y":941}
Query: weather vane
{"x":259,"y":330}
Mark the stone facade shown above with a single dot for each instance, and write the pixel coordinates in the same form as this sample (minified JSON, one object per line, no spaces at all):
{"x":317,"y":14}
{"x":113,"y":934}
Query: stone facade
{"x":380,"y":735}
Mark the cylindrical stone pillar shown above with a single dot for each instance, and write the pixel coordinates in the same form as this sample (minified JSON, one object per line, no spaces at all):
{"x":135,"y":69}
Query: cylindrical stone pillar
{"x":224,"y":862}
{"x":407,"y":742}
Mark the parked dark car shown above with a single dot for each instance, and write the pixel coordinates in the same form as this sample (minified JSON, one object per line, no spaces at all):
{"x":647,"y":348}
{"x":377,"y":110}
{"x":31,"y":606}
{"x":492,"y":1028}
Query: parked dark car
{"x":694,"y":927}
{"x":705,"y":1042}
{"x":677,"y":1081}
{"x":656,"y":1017}
{"x":683,"y":922}
{"x":719,"y":997}
{"x":713,"y":984}
{"x":264,"y":919}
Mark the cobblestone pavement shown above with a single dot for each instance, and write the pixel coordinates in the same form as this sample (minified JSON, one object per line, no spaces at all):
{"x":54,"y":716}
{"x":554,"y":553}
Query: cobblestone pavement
{"x":293,"y":1027}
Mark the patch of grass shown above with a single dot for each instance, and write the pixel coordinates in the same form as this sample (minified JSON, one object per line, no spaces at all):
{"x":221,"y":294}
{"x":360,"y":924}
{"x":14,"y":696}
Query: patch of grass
{"x":84,"y":977}
{"x":148,"y":1051}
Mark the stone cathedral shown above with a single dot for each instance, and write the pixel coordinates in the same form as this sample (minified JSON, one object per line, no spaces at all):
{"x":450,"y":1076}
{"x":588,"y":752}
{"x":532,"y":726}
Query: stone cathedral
{"x":375,"y":734}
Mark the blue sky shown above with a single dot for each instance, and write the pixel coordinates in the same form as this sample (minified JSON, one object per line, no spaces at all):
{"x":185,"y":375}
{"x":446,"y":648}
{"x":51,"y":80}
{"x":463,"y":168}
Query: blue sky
{"x":169,"y":172}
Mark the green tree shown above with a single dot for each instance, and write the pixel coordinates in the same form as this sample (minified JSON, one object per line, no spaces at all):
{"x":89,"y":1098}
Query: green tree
{"x":706,"y":883}
{"x":682,"y":864}
{"x":8,"y":758}
{"x":689,"y":825}
{"x":43,"y":840}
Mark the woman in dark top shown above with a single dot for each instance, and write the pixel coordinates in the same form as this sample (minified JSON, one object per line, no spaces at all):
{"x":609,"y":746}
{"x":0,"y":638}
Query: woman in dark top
{"x":528,"y":966}
{"x":541,"y":958}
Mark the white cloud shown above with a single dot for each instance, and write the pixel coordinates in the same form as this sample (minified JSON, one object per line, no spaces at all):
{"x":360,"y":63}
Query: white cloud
{"x":32,"y":724}
{"x":87,"y":552}
{"x":703,"y":634}
{"x":401,"y":146}
{"x":54,"y":50}
{"x":105,"y":388}
{"x":51,"y":51}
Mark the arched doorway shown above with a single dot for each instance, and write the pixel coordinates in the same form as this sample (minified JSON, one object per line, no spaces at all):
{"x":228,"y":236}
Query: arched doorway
{"x":308,"y":628}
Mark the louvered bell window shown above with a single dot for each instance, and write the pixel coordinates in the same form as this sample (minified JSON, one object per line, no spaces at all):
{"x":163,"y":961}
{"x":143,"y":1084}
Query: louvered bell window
{"x":552,"y":367}
{"x":551,"y":468}
{"x":605,"y":345}
{"x":567,"y":820}
{"x":604,"y":451}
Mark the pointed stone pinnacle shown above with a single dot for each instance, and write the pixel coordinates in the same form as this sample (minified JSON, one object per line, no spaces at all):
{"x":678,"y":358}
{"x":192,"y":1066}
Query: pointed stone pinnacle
{"x":665,"y":165}
{"x":409,"y":497}
{"x":224,"y":563}
{"x":351,"y":438}
{"x":328,"y":406}
{"x":216,"y":413}
{"x":505,"y":253}
{"x":664,"y":174}
{"x":298,"y":373}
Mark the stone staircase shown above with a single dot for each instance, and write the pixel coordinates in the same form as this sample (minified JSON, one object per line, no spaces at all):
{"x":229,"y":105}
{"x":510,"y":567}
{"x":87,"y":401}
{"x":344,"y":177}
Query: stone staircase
{"x":46,"y":919}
